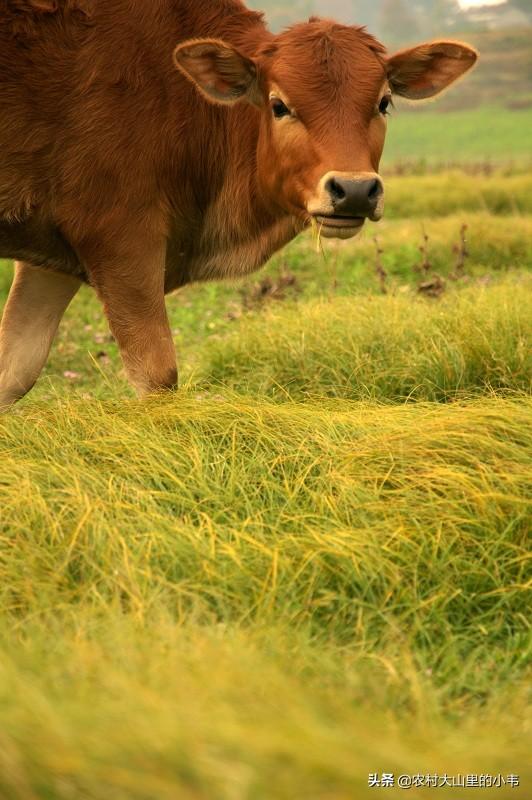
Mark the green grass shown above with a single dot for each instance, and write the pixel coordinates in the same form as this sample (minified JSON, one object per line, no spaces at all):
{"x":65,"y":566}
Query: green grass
{"x":309,"y":564}
{"x":492,"y":134}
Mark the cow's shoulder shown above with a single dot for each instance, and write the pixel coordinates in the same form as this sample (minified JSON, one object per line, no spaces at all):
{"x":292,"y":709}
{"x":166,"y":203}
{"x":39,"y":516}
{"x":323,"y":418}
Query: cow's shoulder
{"x":30,"y":18}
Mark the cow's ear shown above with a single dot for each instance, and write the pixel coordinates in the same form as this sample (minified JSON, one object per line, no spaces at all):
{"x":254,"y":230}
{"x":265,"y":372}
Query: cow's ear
{"x":426,"y":70}
{"x":221,"y":73}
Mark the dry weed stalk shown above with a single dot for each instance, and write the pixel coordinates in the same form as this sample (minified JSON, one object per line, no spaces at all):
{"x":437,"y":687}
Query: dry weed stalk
{"x":270,"y":288}
{"x":426,"y":265}
{"x":379,"y":267}
{"x":461,"y":252}
{"x":433,"y":285}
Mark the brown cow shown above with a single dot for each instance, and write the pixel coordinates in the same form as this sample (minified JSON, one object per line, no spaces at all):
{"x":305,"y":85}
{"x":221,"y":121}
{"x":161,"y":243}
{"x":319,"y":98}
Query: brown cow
{"x":145,"y":144}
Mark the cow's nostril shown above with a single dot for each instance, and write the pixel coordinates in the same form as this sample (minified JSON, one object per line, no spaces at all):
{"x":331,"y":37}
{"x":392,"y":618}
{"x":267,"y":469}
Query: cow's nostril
{"x":335,"y":190}
{"x":375,"y":190}
{"x":353,"y":196}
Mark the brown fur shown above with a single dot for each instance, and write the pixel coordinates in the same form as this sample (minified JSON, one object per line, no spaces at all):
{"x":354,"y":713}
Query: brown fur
{"x":115,"y":170}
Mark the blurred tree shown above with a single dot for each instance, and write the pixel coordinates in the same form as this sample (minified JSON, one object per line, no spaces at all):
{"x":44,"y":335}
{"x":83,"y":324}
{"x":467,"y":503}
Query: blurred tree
{"x":366,"y":12}
{"x":525,"y":6}
{"x":396,"y":22}
{"x":279,"y":13}
{"x":437,"y":15}
{"x":342,"y":10}
{"x":359,"y":12}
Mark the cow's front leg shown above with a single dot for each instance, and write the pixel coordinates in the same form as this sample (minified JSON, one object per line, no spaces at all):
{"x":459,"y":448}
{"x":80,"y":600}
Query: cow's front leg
{"x":131,"y":288}
{"x":36,"y":304}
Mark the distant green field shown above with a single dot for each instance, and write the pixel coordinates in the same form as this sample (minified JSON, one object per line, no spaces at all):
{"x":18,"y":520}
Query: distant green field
{"x":309,"y":564}
{"x":477,"y":135}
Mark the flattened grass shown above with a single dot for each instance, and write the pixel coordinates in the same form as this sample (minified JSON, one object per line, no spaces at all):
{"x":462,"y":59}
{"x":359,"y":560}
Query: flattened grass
{"x":237,"y":598}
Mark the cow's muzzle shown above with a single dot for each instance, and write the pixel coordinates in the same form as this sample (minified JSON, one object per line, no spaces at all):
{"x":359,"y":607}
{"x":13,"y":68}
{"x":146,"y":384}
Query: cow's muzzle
{"x":345,"y":200}
{"x":351,"y":197}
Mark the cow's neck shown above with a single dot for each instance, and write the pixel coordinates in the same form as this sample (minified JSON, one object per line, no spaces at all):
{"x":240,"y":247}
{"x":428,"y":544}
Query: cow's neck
{"x":223,"y":224}
{"x":238,"y":229}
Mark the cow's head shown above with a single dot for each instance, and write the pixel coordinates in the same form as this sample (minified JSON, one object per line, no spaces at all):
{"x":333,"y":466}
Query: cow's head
{"x":323,"y":91}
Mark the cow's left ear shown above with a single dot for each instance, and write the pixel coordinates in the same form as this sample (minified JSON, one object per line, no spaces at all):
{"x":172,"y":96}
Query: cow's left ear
{"x":426,"y":70}
{"x":219,"y":71}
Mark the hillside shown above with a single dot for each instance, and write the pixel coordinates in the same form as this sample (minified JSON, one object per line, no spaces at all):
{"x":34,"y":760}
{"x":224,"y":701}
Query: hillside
{"x":502,"y":78}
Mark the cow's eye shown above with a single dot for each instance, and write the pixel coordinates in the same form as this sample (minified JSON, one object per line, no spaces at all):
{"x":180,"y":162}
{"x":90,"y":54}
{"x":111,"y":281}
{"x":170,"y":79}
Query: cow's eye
{"x":385,"y":104}
{"x":279,"y":109}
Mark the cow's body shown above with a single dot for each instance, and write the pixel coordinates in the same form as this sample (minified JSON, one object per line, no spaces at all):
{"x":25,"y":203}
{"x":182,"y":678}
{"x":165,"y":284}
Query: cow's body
{"x":114,"y":170}
{"x":96,"y":124}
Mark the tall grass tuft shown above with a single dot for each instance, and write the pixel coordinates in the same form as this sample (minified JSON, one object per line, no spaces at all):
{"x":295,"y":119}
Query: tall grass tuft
{"x":382,"y":348}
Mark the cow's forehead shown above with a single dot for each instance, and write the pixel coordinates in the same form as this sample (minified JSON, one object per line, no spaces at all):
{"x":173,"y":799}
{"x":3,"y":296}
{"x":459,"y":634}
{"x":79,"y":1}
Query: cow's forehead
{"x":320,"y":62}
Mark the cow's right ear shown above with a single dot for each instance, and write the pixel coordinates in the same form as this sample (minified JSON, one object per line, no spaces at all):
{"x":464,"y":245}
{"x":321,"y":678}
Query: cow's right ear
{"x":221,"y":73}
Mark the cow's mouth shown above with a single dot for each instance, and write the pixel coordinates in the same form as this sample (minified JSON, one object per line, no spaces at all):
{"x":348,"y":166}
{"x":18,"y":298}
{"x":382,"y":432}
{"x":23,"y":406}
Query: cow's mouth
{"x":336,"y":227}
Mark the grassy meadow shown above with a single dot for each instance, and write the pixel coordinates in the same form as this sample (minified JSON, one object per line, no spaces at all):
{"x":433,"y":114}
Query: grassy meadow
{"x":486,"y":134}
{"x":312,"y":562}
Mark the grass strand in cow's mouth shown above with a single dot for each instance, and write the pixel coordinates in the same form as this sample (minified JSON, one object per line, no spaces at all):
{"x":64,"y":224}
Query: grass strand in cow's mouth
{"x":335,"y":226}
{"x":316,"y":235}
